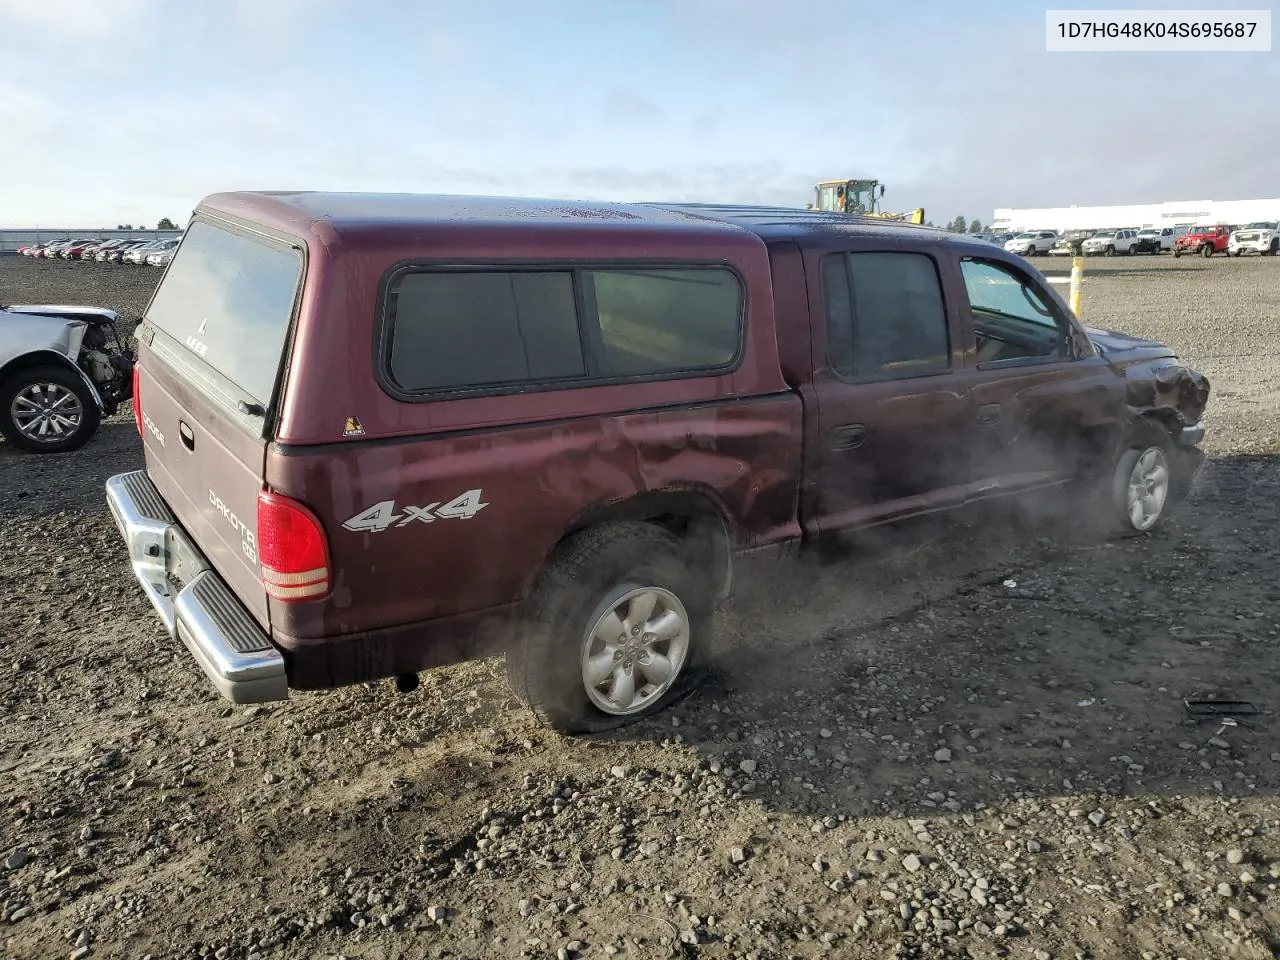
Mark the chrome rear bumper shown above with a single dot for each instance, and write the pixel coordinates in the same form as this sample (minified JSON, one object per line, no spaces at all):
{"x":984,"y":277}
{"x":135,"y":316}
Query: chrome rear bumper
{"x":191,"y":599}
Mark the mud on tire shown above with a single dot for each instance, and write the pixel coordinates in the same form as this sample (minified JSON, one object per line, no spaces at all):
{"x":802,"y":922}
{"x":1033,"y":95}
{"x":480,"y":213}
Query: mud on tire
{"x":636,"y":572}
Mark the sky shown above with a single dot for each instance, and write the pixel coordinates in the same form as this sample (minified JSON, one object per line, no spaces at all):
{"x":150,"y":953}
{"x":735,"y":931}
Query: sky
{"x":126,"y":111}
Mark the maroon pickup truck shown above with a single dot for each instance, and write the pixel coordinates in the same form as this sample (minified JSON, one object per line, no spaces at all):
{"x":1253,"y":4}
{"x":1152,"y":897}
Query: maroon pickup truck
{"x":386,"y":433}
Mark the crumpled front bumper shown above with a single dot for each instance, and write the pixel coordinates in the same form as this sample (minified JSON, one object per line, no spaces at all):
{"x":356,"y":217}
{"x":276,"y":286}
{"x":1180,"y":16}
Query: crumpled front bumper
{"x":192,"y":600}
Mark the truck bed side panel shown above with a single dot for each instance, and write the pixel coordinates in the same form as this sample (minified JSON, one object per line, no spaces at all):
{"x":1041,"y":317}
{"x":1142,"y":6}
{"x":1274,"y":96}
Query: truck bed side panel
{"x":407,"y":562}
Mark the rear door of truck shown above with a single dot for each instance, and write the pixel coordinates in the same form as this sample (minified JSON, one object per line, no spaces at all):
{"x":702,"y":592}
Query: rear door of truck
{"x":211,"y":348}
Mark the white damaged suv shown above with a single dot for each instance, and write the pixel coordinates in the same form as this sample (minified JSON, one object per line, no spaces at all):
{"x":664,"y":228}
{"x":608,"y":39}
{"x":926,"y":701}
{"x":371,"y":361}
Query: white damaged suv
{"x":1261,"y":237}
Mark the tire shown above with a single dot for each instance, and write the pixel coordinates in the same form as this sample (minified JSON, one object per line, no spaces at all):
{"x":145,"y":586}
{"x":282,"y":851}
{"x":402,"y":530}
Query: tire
{"x":1177,"y":252}
{"x":21,"y":400}
{"x":1206,"y":251}
{"x":1110,"y":251}
{"x":1106,"y":510}
{"x":1275,"y":247}
{"x":601,"y":572}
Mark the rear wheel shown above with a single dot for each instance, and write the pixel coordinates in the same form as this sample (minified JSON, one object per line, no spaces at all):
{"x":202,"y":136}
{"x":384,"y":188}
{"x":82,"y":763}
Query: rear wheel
{"x":1206,"y":250}
{"x":47,"y":410}
{"x":614,"y":629}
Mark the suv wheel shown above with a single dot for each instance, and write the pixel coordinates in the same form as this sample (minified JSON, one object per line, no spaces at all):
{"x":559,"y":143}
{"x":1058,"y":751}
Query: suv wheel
{"x":1275,"y":247}
{"x":47,"y":410}
{"x":1110,"y":251}
{"x":613,"y":630}
{"x":1206,"y":250}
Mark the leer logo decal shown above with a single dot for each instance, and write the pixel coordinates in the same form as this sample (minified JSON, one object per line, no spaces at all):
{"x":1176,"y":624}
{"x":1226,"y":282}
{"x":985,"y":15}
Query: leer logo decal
{"x":383,"y":515}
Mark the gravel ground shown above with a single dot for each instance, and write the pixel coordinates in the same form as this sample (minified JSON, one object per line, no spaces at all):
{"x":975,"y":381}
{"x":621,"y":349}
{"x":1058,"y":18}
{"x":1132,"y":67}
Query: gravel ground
{"x":969,"y":743}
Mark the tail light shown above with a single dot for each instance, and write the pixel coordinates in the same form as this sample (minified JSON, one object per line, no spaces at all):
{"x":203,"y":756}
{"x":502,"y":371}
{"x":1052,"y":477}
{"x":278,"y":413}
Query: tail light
{"x":292,"y":550}
{"x":137,"y":401}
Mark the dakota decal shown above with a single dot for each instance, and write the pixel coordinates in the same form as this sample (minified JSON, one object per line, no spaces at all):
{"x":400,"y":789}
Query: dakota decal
{"x":248,"y":538}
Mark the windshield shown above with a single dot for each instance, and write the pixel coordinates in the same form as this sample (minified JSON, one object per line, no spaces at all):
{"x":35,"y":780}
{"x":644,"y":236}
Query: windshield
{"x":1148,"y":233}
{"x":1262,"y":225}
{"x":229,"y":297}
{"x":1025,"y":236}
{"x":1104,"y":235}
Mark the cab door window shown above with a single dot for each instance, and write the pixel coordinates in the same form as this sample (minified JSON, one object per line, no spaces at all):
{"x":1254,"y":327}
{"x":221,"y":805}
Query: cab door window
{"x":885,"y":316}
{"x":1013,"y":321}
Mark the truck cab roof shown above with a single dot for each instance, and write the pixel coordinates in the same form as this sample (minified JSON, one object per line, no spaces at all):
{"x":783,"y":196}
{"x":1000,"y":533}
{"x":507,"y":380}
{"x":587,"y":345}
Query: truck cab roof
{"x":370,"y":216}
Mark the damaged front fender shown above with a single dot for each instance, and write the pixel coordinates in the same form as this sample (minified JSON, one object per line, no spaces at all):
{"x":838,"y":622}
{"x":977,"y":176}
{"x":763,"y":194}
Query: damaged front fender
{"x":30,"y":337}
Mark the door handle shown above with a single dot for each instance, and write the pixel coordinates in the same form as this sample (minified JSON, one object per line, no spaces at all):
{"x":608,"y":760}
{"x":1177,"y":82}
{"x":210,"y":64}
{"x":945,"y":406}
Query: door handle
{"x":989,"y":413}
{"x":184,"y":433}
{"x":848,"y":435}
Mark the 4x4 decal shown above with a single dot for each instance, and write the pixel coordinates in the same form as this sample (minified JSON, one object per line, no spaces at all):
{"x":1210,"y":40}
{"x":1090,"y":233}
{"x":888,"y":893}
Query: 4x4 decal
{"x":383,"y":515}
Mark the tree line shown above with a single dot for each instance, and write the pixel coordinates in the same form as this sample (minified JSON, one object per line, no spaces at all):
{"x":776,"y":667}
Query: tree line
{"x":164,"y":224}
{"x":960,"y":225}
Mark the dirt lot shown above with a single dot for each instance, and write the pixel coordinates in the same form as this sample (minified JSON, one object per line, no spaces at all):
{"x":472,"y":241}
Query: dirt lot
{"x":970,"y":744}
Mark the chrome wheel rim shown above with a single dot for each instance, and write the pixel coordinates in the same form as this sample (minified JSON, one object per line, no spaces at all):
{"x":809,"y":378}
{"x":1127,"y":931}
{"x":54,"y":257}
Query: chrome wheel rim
{"x":1148,"y":488}
{"x":46,"y":412}
{"x":634,"y":648}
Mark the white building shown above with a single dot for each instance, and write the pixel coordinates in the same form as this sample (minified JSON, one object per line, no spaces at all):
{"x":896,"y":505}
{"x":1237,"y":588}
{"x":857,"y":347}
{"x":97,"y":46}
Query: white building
{"x":1171,"y":214}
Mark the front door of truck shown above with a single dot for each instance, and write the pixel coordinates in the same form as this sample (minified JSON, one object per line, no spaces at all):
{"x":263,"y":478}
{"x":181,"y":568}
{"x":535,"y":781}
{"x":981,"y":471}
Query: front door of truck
{"x":1047,"y":408}
{"x":893,"y":416}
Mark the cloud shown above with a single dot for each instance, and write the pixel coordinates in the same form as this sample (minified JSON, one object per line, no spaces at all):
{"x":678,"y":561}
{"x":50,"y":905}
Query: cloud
{"x":622,"y":106}
{"x":956,"y":108}
{"x":75,"y":18}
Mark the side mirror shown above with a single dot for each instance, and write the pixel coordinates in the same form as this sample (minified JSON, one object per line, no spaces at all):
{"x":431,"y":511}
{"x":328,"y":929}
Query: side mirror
{"x":882,"y":189}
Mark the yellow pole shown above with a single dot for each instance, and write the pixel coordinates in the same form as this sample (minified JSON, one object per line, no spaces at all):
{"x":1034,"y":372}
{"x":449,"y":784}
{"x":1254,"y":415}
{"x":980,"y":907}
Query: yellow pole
{"x":1077,"y":279}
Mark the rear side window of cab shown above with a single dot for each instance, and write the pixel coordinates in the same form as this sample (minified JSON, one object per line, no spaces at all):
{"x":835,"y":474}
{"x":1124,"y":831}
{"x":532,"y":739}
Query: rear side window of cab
{"x":468,"y":330}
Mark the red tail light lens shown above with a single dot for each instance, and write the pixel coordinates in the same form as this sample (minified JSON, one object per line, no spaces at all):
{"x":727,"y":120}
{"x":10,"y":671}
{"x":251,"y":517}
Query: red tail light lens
{"x":137,"y":401}
{"x":292,"y":550}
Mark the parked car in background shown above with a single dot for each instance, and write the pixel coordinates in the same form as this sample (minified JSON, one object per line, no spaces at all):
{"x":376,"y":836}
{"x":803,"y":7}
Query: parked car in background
{"x":163,"y":253}
{"x":1155,"y":240}
{"x":73,"y":250}
{"x":1033,"y":243}
{"x":99,"y":252}
{"x":1069,"y":243}
{"x":86,"y":252}
{"x":1205,"y":239}
{"x":1262,"y":237}
{"x":1109,"y":243}
{"x":61,"y":370}
{"x":115,"y":254}
{"x":51,"y":250}
{"x":304,"y":521}
{"x":138,"y":255}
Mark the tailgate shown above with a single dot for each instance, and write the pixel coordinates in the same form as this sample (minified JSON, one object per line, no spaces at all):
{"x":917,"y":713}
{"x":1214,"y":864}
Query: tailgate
{"x":211,"y":347}
{"x":208,"y":469}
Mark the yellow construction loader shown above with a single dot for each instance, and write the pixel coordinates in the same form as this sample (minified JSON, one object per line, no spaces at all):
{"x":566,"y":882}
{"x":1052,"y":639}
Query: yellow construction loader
{"x":859,"y":197}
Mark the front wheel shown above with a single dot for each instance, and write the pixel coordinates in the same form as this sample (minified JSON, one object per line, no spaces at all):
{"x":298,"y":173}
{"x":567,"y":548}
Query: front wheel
{"x":1110,"y":251}
{"x":1275,"y":248}
{"x":1177,"y":252}
{"x":613,"y":631}
{"x":47,"y":410}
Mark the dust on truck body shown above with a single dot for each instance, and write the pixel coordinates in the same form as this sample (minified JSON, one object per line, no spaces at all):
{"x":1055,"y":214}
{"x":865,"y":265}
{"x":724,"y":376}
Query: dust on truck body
{"x":385,"y":433}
